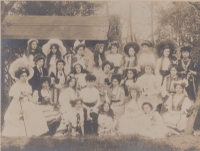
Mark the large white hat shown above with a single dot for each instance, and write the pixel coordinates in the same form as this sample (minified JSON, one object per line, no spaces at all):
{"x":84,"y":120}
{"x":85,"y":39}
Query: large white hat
{"x":46,"y":47}
{"x":32,"y":39}
{"x":144,"y":99}
{"x":23,"y":64}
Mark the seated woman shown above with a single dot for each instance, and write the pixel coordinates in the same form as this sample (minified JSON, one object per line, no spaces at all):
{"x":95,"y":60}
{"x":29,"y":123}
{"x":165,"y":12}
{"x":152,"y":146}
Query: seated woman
{"x":152,"y":124}
{"x":106,"y":120}
{"x":23,"y":117}
{"x":175,"y":118}
{"x":128,"y":123}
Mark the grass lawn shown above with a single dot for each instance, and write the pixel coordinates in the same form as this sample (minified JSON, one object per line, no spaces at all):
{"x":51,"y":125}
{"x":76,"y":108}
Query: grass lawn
{"x":95,"y":143}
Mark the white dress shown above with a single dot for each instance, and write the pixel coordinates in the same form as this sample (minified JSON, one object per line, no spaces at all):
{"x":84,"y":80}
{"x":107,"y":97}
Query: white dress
{"x":29,"y":59}
{"x":115,"y":58}
{"x":52,"y":64}
{"x":34,"y":123}
{"x":81,"y":83}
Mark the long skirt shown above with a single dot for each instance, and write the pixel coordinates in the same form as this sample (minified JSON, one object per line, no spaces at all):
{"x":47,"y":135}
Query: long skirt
{"x":23,"y":118}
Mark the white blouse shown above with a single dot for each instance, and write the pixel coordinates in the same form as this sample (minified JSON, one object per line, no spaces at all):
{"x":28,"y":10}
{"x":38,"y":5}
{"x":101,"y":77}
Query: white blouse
{"x":72,"y":116}
{"x":115,"y":58}
{"x":147,"y":57}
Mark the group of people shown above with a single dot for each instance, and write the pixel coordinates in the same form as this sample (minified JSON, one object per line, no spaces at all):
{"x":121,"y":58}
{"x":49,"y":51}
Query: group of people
{"x":102,"y":92}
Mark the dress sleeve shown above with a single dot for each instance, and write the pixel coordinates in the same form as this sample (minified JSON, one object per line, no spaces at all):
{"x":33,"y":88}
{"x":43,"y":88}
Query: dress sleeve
{"x":186,"y":105}
{"x":14,"y":91}
{"x":163,"y":89}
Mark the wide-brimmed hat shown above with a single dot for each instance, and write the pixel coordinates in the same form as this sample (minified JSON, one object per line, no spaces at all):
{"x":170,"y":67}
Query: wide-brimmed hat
{"x":32,"y":39}
{"x":134,"y":87}
{"x":38,"y":57}
{"x":78,"y":63}
{"x":78,"y":44}
{"x":144,"y":99}
{"x":147,"y":42}
{"x":150,"y":64}
{"x":114,"y":43}
{"x":46,"y":48}
{"x":109,"y":63}
{"x":182,"y":83}
{"x":19,"y":64}
{"x":133,"y":45}
{"x":186,"y":48}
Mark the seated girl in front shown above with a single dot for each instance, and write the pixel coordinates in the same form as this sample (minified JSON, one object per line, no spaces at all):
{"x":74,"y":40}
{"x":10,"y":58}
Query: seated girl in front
{"x":177,"y":104}
{"x":106,"y":120}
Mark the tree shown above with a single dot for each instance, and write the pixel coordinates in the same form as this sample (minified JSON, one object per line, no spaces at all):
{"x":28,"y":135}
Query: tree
{"x":5,"y":8}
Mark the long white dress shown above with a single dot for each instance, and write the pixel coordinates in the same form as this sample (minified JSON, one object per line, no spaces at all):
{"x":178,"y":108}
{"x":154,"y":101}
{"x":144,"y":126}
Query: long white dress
{"x":23,"y":118}
{"x":129,"y":123}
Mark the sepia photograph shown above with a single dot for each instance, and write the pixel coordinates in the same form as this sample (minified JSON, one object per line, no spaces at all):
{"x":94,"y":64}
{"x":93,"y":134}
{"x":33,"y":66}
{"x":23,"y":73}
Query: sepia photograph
{"x":100,"y":75}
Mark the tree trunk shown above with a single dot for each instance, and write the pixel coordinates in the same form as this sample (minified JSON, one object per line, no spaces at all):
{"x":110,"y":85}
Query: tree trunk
{"x":192,"y":118}
{"x":6,"y":9}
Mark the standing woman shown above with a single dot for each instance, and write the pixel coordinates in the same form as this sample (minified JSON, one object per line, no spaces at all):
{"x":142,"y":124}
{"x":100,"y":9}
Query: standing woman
{"x":165,"y":49}
{"x":99,"y":57}
{"x":23,"y":117}
{"x":188,"y":71}
{"x":54,"y":50}
{"x":118,"y":95}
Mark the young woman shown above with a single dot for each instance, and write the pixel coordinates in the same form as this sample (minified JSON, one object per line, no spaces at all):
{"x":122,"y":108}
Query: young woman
{"x":118,"y":95}
{"x":23,"y":117}
{"x":188,"y":71}
{"x":166,"y":49}
{"x":129,"y":122}
{"x":54,"y":50}
{"x":177,"y":105}
{"x":152,"y":125}
{"x":99,"y":57}
{"x":130,"y":78}
{"x":115,"y":57}
{"x":131,"y":61}
{"x":106,"y":120}
{"x":58,"y":79}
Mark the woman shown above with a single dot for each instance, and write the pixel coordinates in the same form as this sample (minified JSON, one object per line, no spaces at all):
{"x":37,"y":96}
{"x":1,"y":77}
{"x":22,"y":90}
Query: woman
{"x":177,"y":105}
{"x":54,"y":50}
{"x":129,"y":122}
{"x":118,"y":95}
{"x":23,"y":117}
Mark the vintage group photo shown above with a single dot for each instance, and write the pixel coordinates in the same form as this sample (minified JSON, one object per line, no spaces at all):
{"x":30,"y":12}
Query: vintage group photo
{"x":100,"y":75}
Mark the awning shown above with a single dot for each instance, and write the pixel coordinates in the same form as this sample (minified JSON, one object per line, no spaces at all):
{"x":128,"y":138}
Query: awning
{"x":61,"y":27}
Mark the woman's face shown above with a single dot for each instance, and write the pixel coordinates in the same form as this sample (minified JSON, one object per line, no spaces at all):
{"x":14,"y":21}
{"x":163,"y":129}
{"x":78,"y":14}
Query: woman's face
{"x":179,"y":89}
{"x":107,"y":68}
{"x":133,"y":93}
{"x":147,"y":108}
{"x":53,"y":49}
{"x":131,"y":52}
{"x":23,"y":77}
{"x":115,"y":82}
{"x":34,"y":45}
{"x":185,"y":54}
{"x":166,"y":52}
{"x":114,"y":49}
{"x":173,"y":71}
{"x":90,"y":84}
{"x":130,"y":74}
{"x":80,"y":51}
{"x":45,"y":84}
{"x":78,"y":68}
{"x":106,"y":107}
{"x":72,"y":83}
{"x":78,"y":105}
{"x":145,"y":48}
{"x":60,"y":65}
{"x":40,"y":63}
{"x":148,"y":70}
{"x":101,"y":49}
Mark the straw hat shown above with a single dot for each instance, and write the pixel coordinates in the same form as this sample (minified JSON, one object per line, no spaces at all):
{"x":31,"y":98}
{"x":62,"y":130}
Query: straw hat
{"x":144,"y":99}
{"x":46,"y":47}
{"x":32,"y":39}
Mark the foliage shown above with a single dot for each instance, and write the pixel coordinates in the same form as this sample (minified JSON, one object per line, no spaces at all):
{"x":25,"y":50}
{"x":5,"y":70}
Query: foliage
{"x":57,"y":8}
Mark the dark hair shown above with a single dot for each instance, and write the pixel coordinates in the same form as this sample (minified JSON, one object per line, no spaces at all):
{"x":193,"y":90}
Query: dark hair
{"x":69,"y":80}
{"x":107,"y":63}
{"x":58,"y":54}
{"x":29,"y":48}
{"x":97,"y":53}
{"x":134,"y":71}
{"x":77,"y":47}
{"x":110,"y":111}
{"x":117,"y":77}
{"x":90,"y":78}
{"x":42,"y":80}
{"x":147,"y":103}
{"x":73,"y":102}
{"x":174,"y":66}
{"x":60,"y":60}
{"x":73,"y":71}
{"x":20,"y":71}
{"x":107,"y":81}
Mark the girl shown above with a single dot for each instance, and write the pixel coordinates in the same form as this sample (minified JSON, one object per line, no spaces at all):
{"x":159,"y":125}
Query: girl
{"x":166,"y":49}
{"x":118,"y":95}
{"x":152,"y":123}
{"x":99,"y":57}
{"x":54,"y":50}
{"x":130,"y":78}
{"x":177,"y":105}
{"x":129,"y":122}
{"x":106,"y":120}
{"x":23,"y":117}
{"x":58,"y":79}
{"x":188,"y":71}
{"x":131,"y":62}
{"x":75,"y":117}
{"x":115,"y":57}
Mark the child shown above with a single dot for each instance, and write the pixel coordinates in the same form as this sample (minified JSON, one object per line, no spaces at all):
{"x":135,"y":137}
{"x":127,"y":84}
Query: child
{"x":131,"y":62}
{"x":188,"y":71}
{"x":106,"y":121}
{"x":115,"y":57}
{"x":130,"y":78}
{"x":146,"y":56}
{"x":91,"y":101}
{"x":58,"y":79}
